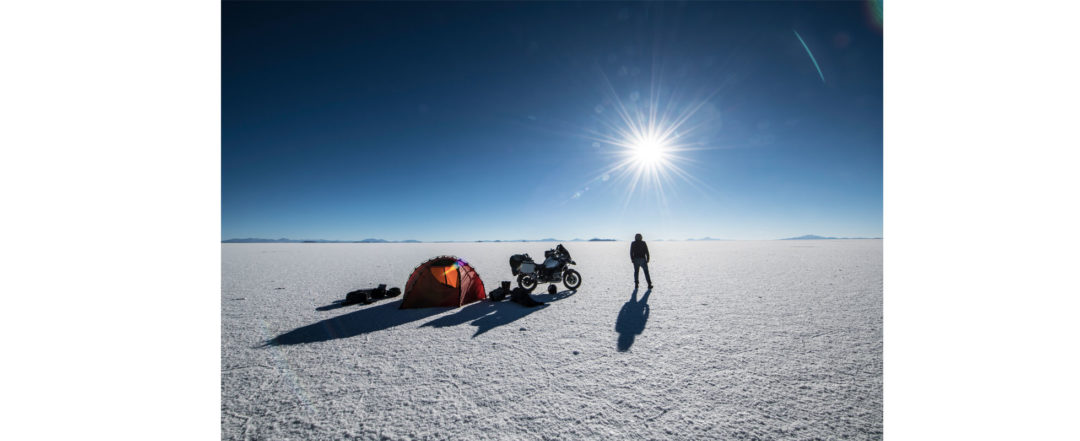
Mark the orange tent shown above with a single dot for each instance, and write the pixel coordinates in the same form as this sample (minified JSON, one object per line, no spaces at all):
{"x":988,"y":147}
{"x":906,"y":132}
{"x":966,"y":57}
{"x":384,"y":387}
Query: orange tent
{"x":443,"y":281}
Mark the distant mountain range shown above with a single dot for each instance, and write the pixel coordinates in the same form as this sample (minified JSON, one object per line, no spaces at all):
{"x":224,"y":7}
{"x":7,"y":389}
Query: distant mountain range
{"x":815,"y":237}
{"x":525,"y":240}
{"x":283,"y":240}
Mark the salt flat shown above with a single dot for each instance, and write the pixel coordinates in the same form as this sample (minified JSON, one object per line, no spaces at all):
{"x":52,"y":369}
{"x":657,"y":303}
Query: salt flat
{"x":739,"y":340}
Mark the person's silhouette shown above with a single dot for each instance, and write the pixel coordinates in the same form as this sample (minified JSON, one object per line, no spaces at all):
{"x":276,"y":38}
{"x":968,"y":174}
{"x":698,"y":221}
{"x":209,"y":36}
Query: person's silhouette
{"x":639,"y":255}
{"x":631,"y":320}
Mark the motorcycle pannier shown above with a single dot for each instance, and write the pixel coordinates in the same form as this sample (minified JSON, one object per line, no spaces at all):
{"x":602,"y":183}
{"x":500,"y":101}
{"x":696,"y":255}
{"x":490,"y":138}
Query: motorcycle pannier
{"x":516,"y":261}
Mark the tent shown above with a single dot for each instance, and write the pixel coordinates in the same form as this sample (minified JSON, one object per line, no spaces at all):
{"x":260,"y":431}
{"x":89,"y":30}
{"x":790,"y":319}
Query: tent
{"x":443,"y":281}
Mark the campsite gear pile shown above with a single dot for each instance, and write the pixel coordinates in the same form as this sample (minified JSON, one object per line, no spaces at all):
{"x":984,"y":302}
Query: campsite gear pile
{"x":521,"y":296}
{"x":555,"y":269}
{"x":366,"y":296}
{"x":448,"y":281}
{"x":500,"y":293}
{"x":517,"y":295}
{"x":443,"y":281}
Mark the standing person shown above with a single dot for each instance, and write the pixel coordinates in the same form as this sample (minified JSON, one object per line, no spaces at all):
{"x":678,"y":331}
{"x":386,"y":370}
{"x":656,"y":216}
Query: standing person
{"x":639,"y":254}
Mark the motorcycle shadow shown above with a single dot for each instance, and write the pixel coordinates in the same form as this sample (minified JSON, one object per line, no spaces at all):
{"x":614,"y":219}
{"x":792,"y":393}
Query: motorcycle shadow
{"x":545,"y":297}
{"x":487,"y":315}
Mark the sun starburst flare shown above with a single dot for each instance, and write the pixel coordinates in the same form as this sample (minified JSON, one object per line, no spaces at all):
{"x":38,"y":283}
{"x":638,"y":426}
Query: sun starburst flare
{"x":650,"y":145}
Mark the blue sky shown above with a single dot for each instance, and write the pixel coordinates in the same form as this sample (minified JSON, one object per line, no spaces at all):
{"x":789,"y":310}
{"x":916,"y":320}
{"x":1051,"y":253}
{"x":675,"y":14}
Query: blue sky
{"x":469,"y":121}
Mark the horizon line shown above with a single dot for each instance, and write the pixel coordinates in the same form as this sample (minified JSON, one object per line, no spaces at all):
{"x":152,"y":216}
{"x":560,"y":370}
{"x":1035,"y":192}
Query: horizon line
{"x":594,"y":239}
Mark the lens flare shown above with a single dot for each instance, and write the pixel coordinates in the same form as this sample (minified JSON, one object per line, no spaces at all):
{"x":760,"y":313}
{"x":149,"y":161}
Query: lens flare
{"x":811,"y":54}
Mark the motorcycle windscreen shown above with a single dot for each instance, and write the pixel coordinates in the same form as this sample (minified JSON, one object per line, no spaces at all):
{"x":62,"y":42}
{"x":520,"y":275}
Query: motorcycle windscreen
{"x":563,"y":250}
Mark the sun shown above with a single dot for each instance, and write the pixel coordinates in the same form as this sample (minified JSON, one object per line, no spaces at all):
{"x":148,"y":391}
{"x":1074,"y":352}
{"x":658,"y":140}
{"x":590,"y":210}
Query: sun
{"x":649,"y":141}
{"x":649,"y":151}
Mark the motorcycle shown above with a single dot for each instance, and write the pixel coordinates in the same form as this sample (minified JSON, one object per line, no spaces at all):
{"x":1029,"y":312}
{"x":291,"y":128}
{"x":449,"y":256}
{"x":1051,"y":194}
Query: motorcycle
{"x":554,"y":269}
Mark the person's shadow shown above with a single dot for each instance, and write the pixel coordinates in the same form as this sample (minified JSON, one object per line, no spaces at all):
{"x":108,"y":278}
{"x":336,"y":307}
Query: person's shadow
{"x":632,"y":318}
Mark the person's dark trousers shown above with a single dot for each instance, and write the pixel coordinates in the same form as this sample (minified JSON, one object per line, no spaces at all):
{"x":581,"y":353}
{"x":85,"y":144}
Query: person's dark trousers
{"x":641,"y":263}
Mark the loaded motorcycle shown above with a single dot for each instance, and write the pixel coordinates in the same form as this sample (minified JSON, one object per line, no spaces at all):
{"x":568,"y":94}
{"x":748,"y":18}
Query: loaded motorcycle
{"x":554,"y":269}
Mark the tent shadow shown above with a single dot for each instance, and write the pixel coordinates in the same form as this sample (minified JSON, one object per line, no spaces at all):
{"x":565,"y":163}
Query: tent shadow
{"x":467,"y":313}
{"x":504,"y":313}
{"x":486,"y":315}
{"x":632,"y":318}
{"x":363,"y":321}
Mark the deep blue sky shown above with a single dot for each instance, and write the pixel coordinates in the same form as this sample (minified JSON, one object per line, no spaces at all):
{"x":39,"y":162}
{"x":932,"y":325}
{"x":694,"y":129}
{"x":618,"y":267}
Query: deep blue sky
{"x":465,"y":121}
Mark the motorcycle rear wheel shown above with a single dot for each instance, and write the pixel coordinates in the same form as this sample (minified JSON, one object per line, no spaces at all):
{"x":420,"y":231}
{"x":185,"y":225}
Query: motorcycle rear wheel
{"x":572,"y":279}
{"x":526,"y":282}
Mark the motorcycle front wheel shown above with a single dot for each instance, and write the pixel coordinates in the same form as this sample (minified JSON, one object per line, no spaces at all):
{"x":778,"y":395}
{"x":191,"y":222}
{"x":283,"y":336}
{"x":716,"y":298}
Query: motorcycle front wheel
{"x":527,"y":282}
{"x":572,"y":279}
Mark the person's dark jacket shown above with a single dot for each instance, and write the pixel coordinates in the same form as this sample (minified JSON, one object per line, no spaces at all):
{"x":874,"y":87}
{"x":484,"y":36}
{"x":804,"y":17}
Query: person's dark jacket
{"x":639,"y":249}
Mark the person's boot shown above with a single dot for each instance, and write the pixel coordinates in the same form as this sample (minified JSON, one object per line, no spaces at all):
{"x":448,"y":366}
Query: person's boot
{"x":650,"y":286}
{"x":635,"y":284}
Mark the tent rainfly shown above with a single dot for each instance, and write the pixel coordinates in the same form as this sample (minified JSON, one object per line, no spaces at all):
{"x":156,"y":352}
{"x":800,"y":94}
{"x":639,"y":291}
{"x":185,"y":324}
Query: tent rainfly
{"x":443,"y":281}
